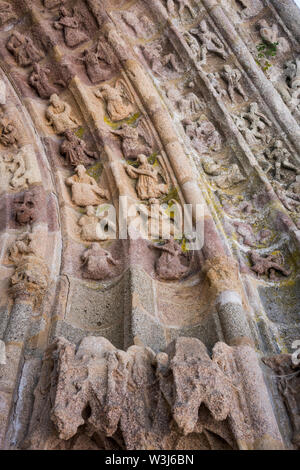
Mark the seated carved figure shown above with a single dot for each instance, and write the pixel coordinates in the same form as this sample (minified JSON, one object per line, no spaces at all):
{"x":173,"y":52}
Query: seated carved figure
{"x":75,"y":150}
{"x":59,"y":115}
{"x":97,"y":263}
{"x":268,"y":265}
{"x":90,"y":226}
{"x":148,"y":185}
{"x":169,"y":266}
{"x":85,"y":190}
{"x":23,"y":49}
{"x":71,"y":28}
{"x":38,"y":79}
{"x":99,"y":61}
{"x":159,"y":62}
{"x":6,"y":13}
{"x":118,"y":100}
{"x":203,"y":134}
{"x":135,"y":140}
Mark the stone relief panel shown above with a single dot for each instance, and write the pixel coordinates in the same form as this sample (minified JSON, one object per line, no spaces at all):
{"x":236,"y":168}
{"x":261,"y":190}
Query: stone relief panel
{"x":20,"y":170}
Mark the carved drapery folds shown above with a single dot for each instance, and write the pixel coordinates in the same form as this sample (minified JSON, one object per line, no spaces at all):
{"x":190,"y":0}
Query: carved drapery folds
{"x":111,"y":399}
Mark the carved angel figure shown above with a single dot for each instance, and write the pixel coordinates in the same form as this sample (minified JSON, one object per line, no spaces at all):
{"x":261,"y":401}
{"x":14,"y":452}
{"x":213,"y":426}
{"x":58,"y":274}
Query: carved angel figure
{"x":59,"y":115}
{"x":23,"y":49}
{"x":9,"y":136}
{"x":182,"y":5}
{"x":99,"y":61}
{"x":268,"y":265}
{"x":118,"y":100}
{"x":232,"y":77}
{"x":85,"y":190}
{"x":71,"y":28}
{"x":169,"y":266}
{"x":270,"y":34}
{"x":38,"y":79}
{"x":75,"y":150}
{"x":209,"y":40}
{"x":135,"y":140}
{"x":6,"y":13}
{"x":98,"y":263}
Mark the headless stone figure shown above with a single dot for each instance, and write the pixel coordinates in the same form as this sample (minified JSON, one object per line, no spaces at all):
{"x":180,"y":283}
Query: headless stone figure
{"x":98,"y":263}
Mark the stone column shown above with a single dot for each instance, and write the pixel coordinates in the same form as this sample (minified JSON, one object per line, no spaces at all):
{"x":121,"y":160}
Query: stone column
{"x":290,"y":15}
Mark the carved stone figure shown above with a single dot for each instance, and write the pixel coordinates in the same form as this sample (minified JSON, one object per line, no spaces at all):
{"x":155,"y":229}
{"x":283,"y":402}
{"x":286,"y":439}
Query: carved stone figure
{"x":98,"y":263}
{"x":135,"y":140}
{"x":142,"y":26}
{"x":6,"y":13}
{"x":23,"y":49}
{"x":182,"y":5}
{"x":193,"y":400}
{"x":70,"y":26}
{"x":28,"y":206}
{"x":99,"y":61}
{"x":232,"y":77}
{"x":159,"y":62}
{"x":23,"y":168}
{"x":38,"y":79}
{"x":59,"y":115}
{"x":148,"y":185}
{"x":187,"y":104}
{"x":281,"y":157}
{"x":250,"y":8}
{"x":85,"y":189}
{"x":230,"y":178}
{"x":252,"y":124}
{"x":267,"y":265}
{"x":9,"y":135}
{"x":209,"y":40}
{"x":290,"y":87}
{"x":203,"y":135}
{"x":118,"y":100}
{"x":53,"y":3}
{"x":270,"y":35}
{"x":200,"y":53}
{"x":31,"y":277}
{"x":245,"y":231}
{"x":288,"y":383}
{"x":290,"y":199}
{"x":169,"y":265}
{"x":90,"y":228}
{"x":75,"y":150}
{"x":214,"y":81}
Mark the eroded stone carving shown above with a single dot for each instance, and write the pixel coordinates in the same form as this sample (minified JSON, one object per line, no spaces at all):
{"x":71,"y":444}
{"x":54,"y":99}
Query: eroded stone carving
{"x":99,"y":61}
{"x":118,"y":100}
{"x":280,"y":157}
{"x":162,"y":64}
{"x":135,"y":140}
{"x":170,"y":265}
{"x":75,"y":150}
{"x":288,"y":383}
{"x":6,"y":13}
{"x":53,"y":3}
{"x":148,"y":185}
{"x":187,"y":104}
{"x":90,"y":227}
{"x":290,"y":88}
{"x":229,"y":178}
{"x":250,"y":8}
{"x":203,"y":135}
{"x":268,"y":265}
{"x":20,"y":170}
{"x":252,"y":125}
{"x":209,"y":40}
{"x":9,"y":135}
{"x":70,"y":25}
{"x":85,"y":190}
{"x":270,"y":34}
{"x":23,"y":49}
{"x":182,"y":6}
{"x":289,"y":198}
{"x":142,"y":25}
{"x":59,"y":115}
{"x":38,"y":79}
{"x":31,"y":277}
{"x":192,"y":401}
{"x":28,"y":206}
{"x":98,"y":263}
{"x":232,"y":78}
